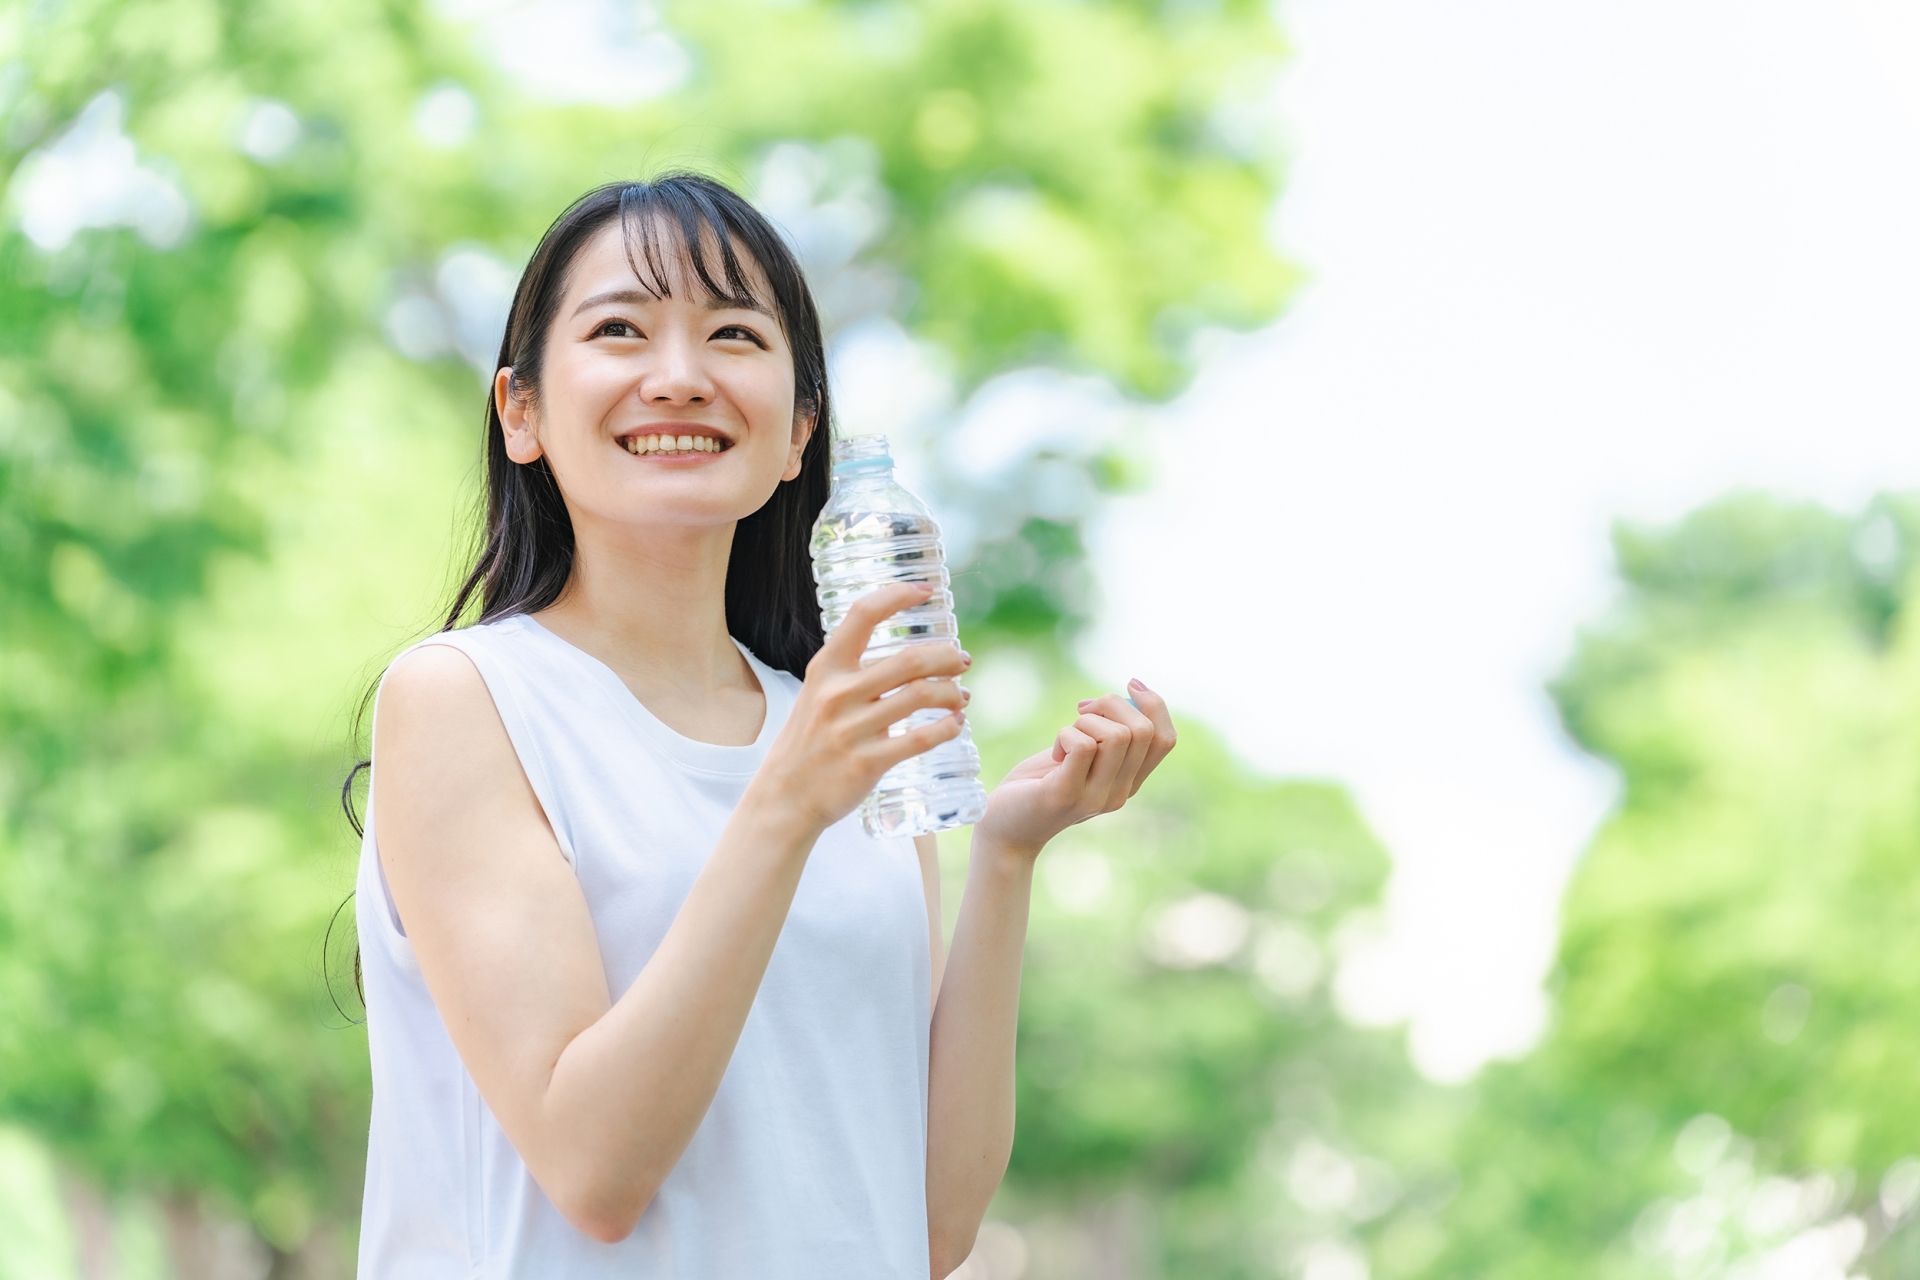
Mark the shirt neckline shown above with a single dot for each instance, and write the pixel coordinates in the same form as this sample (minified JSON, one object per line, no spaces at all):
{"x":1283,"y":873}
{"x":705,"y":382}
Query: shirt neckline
{"x":708,"y":757}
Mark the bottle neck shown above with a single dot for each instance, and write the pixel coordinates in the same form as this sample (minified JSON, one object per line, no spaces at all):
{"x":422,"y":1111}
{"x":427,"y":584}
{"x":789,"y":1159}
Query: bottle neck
{"x":872,"y":473}
{"x":858,"y":458}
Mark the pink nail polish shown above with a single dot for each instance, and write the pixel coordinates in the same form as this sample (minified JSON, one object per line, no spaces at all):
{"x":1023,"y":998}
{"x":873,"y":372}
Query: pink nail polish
{"x":1137,"y":683}
{"x":1086,"y":704}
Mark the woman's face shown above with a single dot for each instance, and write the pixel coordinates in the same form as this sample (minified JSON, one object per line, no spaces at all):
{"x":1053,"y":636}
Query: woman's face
{"x":653,"y":411}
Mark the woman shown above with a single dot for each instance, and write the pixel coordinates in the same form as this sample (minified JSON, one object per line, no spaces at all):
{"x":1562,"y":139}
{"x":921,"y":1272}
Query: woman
{"x":642,"y":999}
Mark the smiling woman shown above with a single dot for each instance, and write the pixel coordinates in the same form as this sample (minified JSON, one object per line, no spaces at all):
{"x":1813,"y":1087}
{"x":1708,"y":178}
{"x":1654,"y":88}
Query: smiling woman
{"x":642,"y":1000}
{"x":620,"y":250}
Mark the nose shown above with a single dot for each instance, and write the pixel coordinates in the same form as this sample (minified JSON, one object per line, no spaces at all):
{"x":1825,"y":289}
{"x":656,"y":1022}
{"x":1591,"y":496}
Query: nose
{"x":677,"y":373}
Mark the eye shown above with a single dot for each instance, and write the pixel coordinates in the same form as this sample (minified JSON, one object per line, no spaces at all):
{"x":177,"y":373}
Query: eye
{"x":738,"y":333}
{"x":616,"y":329}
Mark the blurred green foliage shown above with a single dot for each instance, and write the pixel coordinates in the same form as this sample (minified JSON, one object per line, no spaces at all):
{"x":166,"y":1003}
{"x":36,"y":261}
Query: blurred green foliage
{"x":1738,"y":966}
{"x":227,"y":493}
{"x":1069,"y":181}
{"x":1180,"y":1053}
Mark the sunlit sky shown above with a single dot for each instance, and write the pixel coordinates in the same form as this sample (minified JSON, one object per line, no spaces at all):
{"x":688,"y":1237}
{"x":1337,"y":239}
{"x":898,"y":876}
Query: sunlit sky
{"x":1570,"y":262}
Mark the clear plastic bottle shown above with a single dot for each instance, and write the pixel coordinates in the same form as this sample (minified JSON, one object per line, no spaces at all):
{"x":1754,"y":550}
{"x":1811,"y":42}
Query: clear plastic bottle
{"x":872,"y":533}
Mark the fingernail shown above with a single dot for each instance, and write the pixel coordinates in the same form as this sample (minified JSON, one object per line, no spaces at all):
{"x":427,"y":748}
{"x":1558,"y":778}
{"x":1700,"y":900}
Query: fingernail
{"x":1138,"y":683}
{"x":966,"y":696}
{"x":966,"y":659}
{"x":1086,"y":704}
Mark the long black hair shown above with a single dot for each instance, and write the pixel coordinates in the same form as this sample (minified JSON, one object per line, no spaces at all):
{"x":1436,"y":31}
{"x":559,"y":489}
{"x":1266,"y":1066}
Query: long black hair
{"x":526,"y":553}
{"x":525,"y":547}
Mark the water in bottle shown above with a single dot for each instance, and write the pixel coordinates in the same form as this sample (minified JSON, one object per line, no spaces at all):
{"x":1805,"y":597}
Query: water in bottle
{"x":870,"y":534}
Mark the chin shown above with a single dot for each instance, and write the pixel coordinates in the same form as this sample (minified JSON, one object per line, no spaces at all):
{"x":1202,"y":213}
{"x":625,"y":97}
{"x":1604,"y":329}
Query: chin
{"x":686,"y":505}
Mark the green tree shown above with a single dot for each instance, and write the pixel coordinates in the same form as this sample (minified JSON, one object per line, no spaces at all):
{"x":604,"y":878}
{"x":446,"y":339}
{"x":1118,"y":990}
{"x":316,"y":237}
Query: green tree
{"x":1726,"y":1080}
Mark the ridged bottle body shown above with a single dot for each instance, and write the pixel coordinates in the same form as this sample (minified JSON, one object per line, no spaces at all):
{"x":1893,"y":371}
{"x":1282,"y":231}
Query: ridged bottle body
{"x":872,"y":533}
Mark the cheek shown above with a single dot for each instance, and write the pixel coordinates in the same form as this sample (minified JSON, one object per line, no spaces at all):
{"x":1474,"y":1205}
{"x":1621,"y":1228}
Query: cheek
{"x":576,"y":396}
{"x":585,"y":386}
{"x":772,"y":403}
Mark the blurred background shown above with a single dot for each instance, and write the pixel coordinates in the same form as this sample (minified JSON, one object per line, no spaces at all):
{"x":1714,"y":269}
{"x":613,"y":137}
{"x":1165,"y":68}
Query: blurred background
{"x":1495,"y":426}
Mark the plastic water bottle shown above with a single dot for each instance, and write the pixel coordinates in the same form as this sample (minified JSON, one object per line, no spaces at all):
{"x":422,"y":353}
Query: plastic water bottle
{"x":870,"y":534}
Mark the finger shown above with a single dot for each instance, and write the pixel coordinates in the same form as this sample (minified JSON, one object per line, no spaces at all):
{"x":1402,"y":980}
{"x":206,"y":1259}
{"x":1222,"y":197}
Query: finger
{"x":1075,"y":752}
{"x":914,"y":741}
{"x":1154,"y":707}
{"x":848,"y":641}
{"x":1114,"y":739}
{"x":914,"y":696}
{"x":915,"y":662}
{"x":1116,"y":708}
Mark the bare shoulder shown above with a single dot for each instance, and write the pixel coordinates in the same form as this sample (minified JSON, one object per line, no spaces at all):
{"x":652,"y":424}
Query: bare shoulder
{"x":437,"y":725}
{"x":456,"y":814}
{"x":432,"y":677}
{"x":434,"y":691}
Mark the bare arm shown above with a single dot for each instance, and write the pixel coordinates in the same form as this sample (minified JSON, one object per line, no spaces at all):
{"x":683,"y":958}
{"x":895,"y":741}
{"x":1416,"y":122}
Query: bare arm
{"x":1095,"y":765}
{"x":970,"y":1071}
{"x":600,"y":1096}
{"x":928,"y":849}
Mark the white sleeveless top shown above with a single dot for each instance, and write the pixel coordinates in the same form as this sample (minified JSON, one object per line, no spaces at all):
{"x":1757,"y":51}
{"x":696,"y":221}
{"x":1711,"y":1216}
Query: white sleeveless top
{"x":811,"y":1162}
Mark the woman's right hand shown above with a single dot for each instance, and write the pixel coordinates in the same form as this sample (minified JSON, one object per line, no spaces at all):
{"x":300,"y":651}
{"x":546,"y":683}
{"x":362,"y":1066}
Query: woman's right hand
{"x":835,"y":744}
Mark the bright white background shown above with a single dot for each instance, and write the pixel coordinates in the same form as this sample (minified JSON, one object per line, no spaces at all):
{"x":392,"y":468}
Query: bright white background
{"x":1571,"y":261}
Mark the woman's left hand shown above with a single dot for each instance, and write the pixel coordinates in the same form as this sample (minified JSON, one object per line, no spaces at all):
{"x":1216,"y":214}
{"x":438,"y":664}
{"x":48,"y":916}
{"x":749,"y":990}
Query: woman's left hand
{"x":1094,"y":766}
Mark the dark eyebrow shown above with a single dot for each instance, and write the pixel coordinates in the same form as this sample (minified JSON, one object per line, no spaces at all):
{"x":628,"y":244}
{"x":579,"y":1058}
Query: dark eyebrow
{"x":639,"y":296}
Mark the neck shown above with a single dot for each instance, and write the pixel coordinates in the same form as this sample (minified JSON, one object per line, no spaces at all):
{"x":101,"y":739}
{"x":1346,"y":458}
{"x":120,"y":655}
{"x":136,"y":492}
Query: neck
{"x":651,"y":603}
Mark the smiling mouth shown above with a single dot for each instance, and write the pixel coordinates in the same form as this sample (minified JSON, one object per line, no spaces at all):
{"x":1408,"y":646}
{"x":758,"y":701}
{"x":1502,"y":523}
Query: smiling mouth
{"x":660,"y":444}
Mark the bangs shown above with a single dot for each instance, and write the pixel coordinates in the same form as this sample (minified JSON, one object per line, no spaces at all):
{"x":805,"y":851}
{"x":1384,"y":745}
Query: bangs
{"x":668,"y":227}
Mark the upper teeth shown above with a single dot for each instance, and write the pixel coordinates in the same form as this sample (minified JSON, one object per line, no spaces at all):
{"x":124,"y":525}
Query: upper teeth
{"x":673,"y":444}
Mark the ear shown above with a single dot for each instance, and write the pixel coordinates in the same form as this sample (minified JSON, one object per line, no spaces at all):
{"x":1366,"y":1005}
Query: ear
{"x":803,"y":424}
{"x":517,"y":425}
